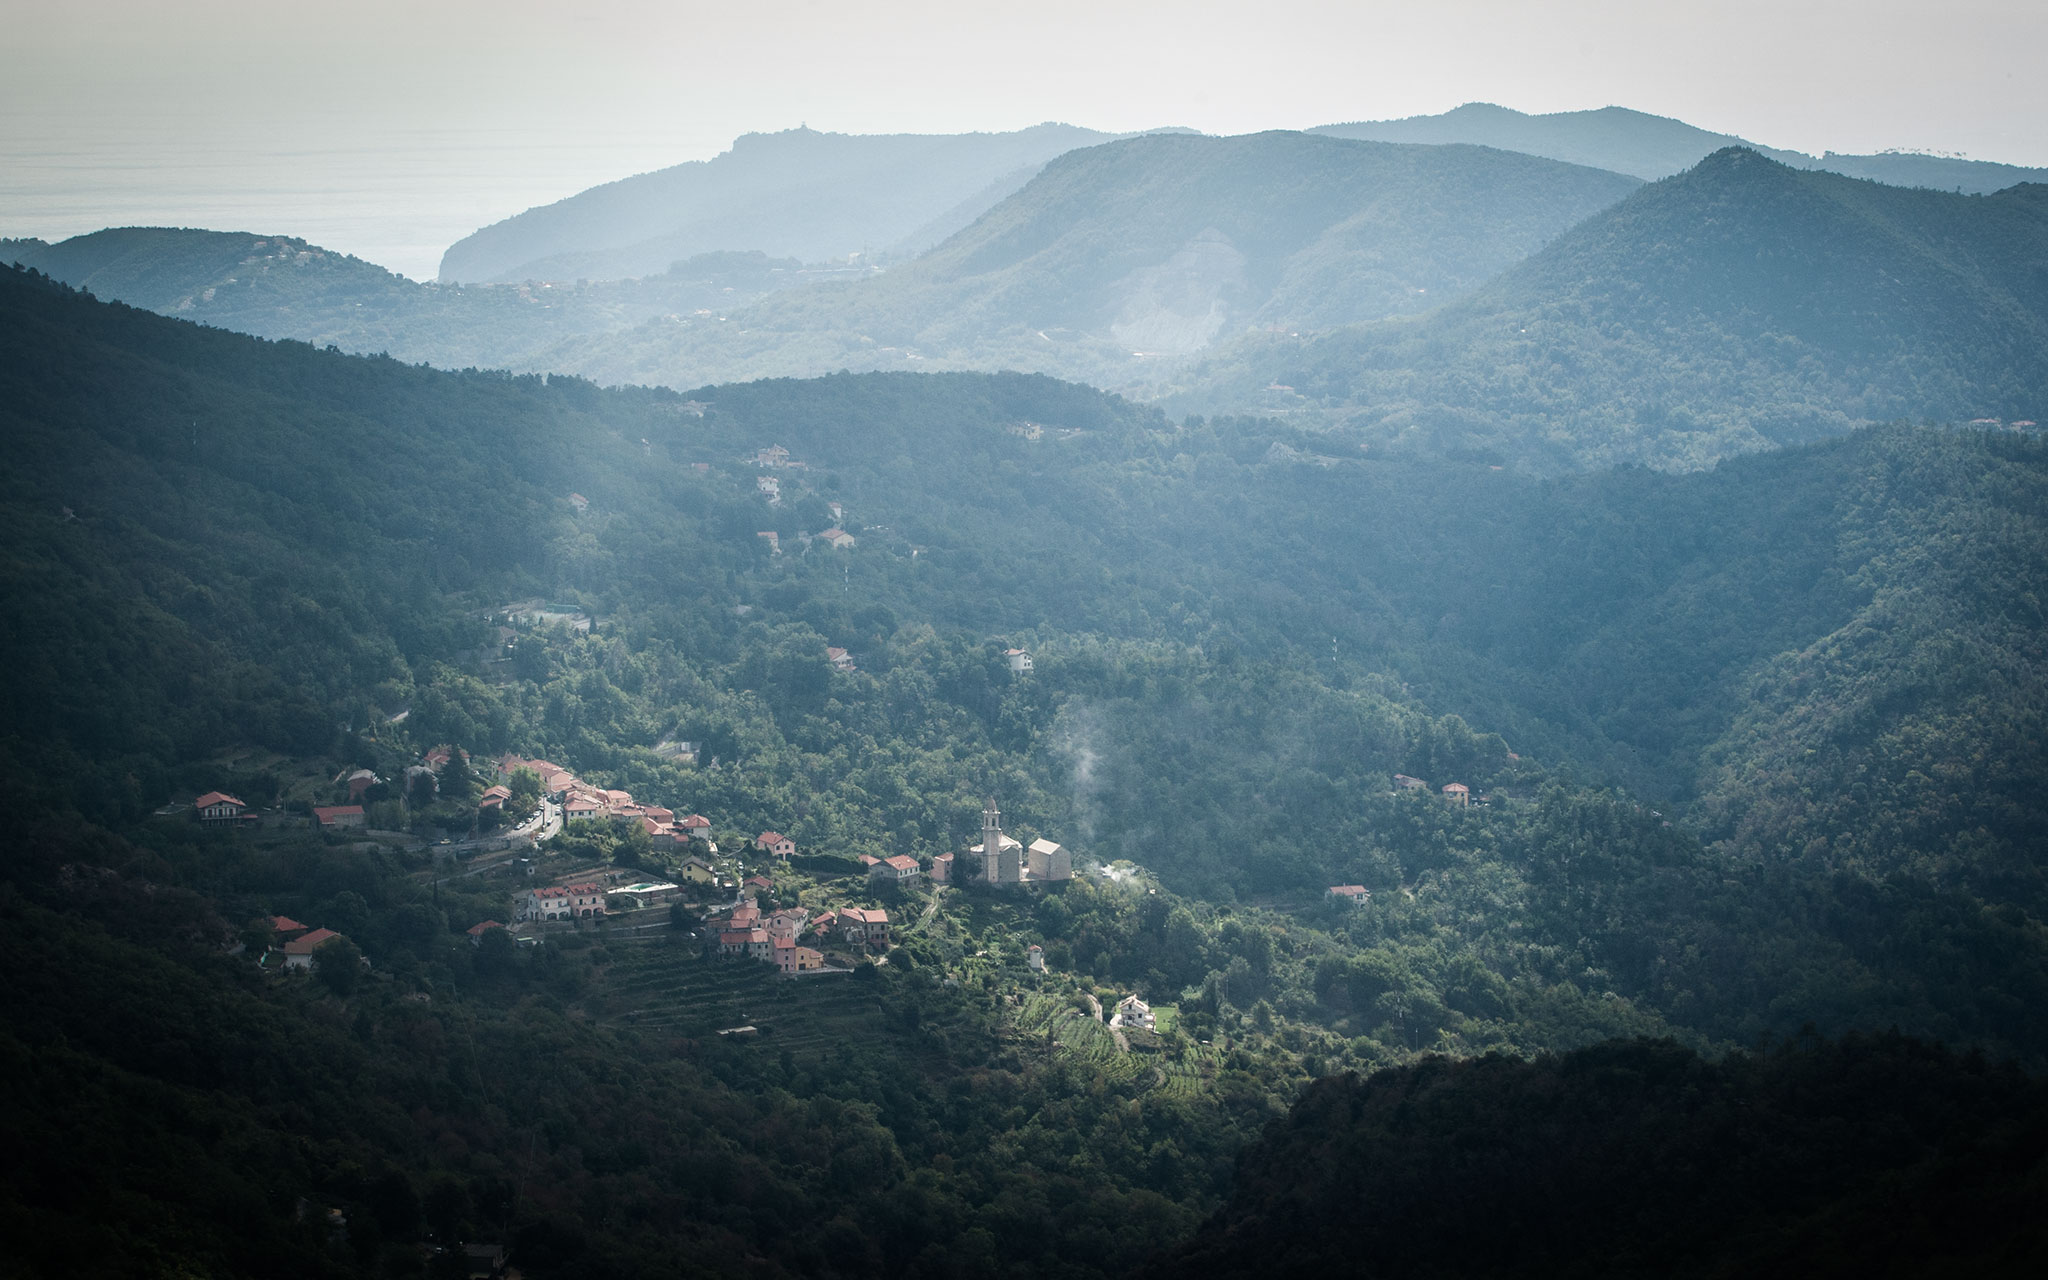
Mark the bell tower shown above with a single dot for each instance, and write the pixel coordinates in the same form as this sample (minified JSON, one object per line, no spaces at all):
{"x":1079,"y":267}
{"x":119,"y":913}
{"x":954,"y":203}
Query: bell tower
{"x":991,"y":842}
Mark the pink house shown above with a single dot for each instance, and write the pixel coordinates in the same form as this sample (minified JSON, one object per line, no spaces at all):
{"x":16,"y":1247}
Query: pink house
{"x":1457,"y":792}
{"x":332,"y":817}
{"x":776,"y":843}
{"x":867,"y":926}
{"x":901,"y":869}
{"x":792,"y":959}
{"x":1356,"y":894}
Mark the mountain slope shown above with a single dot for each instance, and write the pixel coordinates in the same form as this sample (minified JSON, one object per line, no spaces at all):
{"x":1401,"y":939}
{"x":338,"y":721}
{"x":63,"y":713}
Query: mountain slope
{"x":1652,"y":147}
{"x":802,"y":194}
{"x":232,"y":544}
{"x":1869,"y":1156}
{"x":1118,"y":256}
{"x":1739,"y":304}
{"x":283,"y":287}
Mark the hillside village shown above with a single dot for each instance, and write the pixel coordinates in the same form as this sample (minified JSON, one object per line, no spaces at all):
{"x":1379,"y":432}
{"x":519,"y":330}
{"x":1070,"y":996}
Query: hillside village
{"x":734,"y":899}
{"x":753,"y":900}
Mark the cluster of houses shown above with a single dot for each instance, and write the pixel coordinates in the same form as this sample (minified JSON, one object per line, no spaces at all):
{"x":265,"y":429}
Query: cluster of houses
{"x":778,"y":937}
{"x":295,"y":944}
{"x":585,"y":802}
{"x":219,"y":809}
{"x":1455,"y":792}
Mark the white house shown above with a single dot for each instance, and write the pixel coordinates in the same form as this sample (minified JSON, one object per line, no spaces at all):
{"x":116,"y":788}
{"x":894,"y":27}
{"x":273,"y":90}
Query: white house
{"x":217,"y":806}
{"x":1132,"y":1012}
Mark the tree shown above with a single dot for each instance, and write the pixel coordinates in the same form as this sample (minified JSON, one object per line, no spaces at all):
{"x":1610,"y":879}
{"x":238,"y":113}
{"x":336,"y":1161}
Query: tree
{"x":337,"y":963}
{"x":495,"y":953}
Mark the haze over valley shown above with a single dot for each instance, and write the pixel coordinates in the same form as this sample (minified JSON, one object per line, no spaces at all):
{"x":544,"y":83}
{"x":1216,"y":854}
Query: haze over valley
{"x":671,"y":642}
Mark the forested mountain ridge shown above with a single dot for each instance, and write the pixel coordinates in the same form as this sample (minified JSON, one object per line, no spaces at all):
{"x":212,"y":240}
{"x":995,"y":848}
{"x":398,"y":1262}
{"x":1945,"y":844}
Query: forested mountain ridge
{"x":1120,"y":258}
{"x":247,"y":557}
{"x":1870,"y":1156}
{"x":1542,"y":612}
{"x":282,"y":287}
{"x":800,"y":193}
{"x":1652,"y":147}
{"x":1739,"y":305}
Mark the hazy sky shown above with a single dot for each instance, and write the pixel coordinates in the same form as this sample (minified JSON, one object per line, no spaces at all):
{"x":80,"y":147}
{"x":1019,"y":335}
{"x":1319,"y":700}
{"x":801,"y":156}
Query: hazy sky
{"x":389,"y":129}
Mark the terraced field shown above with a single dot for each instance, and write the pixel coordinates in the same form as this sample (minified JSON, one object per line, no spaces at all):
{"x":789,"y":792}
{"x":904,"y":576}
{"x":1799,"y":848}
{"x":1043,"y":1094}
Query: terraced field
{"x":1077,"y":1036}
{"x":676,"y":989}
{"x":1191,"y":1073}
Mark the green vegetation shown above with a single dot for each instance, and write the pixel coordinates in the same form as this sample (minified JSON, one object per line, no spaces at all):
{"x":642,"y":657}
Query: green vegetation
{"x":1750,"y":748}
{"x":1739,"y":305}
{"x":1868,"y":1156}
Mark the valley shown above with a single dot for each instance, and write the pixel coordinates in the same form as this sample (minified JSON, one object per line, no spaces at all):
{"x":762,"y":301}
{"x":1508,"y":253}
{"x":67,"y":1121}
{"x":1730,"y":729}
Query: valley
{"x":1464,"y":692}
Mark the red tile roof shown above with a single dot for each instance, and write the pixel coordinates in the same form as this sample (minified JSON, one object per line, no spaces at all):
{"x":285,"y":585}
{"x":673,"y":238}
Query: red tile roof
{"x":304,"y":946}
{"x":217,"y":797}
{"x":478,"y":930}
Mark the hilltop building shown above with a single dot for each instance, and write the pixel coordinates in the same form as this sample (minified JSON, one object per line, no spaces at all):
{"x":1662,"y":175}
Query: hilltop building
{"x":1011,"y":863}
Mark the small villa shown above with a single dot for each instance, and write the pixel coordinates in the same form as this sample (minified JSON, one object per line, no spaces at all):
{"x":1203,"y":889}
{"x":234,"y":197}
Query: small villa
{"x":298,"y":953}
{"x":1132,"y":1012}
{"x":1355,"y":894}
{"x":218,"y":806}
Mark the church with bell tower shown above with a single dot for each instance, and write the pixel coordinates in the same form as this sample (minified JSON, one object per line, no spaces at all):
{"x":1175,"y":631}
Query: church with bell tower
{"x":1004,"y":859}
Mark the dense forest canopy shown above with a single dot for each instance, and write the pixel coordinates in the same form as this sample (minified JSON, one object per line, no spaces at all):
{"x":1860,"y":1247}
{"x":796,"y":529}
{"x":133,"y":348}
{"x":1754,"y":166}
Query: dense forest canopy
{"x":1758,"y":748}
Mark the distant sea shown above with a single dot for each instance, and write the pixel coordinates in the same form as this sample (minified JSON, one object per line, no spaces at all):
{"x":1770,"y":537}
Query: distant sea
{"x":396,"y":197}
